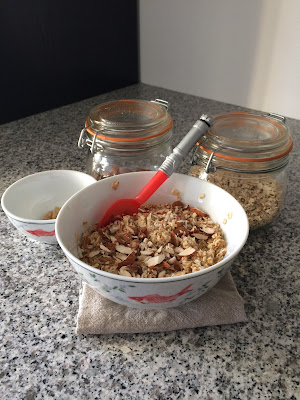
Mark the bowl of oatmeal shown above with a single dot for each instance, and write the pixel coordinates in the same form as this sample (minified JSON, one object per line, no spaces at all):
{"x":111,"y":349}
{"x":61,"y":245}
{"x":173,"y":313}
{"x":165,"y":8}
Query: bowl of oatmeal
{"x":178,"y":246}
{"x":33,"y":202}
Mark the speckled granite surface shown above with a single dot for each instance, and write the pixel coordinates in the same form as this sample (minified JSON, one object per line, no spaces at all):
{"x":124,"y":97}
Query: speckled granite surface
{"x":43,"y":358}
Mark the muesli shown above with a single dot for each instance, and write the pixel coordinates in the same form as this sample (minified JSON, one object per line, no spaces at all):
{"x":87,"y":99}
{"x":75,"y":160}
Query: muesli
{"x":52,"y":214}
{"x":161,"y":240}
{"x":115,"y":185}
{"x":260,"y":197}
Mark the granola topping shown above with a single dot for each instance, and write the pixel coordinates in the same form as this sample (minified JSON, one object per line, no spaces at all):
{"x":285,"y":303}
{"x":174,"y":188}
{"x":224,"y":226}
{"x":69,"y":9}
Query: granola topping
{"x":176,"y":193}
{"x":161,"y":240}
{"x":52,"y":214}
{"x":115,"y":185}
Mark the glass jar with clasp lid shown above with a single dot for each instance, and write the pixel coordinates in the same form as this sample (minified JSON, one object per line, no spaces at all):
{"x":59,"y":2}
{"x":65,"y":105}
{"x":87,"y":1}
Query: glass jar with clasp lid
{"x":126,"y":135}
{"x":247,"y":154}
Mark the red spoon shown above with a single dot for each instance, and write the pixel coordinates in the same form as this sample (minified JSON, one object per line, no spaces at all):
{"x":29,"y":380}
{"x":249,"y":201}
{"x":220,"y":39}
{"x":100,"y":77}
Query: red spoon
{"x":131,"y":206}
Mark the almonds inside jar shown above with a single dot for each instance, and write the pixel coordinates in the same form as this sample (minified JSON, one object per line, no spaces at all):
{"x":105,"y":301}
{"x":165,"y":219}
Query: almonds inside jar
{"x":161,"y":240}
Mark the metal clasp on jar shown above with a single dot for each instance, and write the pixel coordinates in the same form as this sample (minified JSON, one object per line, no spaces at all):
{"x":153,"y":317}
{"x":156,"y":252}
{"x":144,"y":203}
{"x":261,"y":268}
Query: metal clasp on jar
{"x":281,"y":118}
{"x":82,"y":137}
{"x":162,"y":103}
{"x":209,"y":167}
{"x":84,"y":140}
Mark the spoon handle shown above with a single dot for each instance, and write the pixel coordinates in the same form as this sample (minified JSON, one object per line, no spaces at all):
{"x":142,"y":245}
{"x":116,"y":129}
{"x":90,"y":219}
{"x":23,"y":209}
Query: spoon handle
{"x":155,"y":182}
{"x":172,"y":162}
{"x":199,"y":129}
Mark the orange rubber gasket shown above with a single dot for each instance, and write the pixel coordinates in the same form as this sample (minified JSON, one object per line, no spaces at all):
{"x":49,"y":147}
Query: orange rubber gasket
{"x":251,"y":159}
{"x":276,"y":123}
{"x":129,"y":139}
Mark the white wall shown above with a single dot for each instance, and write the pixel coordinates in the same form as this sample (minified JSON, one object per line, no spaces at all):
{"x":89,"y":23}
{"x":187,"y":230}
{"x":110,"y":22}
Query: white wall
{"x":244,"y":52}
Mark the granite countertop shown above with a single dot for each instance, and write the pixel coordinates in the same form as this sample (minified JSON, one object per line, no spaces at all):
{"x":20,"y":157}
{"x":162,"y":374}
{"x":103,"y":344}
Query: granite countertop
{"x":43,"y":358}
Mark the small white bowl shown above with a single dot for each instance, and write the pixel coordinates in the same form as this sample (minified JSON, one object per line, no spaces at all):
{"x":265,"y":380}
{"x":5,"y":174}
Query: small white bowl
{"x":26,"y":201}
{"x":149,"y":293}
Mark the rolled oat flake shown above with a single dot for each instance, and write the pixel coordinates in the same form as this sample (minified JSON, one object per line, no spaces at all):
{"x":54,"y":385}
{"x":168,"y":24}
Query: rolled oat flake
{"x":247,"y":154}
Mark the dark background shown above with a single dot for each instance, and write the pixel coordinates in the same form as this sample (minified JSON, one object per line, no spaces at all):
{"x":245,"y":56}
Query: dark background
{"x":54,"y":52}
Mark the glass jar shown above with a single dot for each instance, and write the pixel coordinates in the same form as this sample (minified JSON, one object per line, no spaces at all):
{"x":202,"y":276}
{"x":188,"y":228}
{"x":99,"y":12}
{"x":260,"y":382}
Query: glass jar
{"x":247,"y":154}
{"x":125,"y":136}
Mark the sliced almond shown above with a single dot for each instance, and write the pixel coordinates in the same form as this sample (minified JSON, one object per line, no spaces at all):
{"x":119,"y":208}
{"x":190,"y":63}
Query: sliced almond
{"x":113,"y":228}
{"x":169,"y":249}
{"x":146,"y":252}
{"x":174,"y":239}
{"x":124,"y":238}
{"x":149,"y":217}
{"x":130,"y":230}
{"x":104,"y":248}
{"x":93,"y":253}
{"x":198,"y":212}
{"x":123,"y":249}
{"x":165,"y":264}
{"x":124,"y":272}
{"x":159,"y":249}
{"x":200,"y":236}
{"x":152,"y":261}
{"x":128,"y":260}
{"x":178,"y":249}
{"x":121,"y":256}
{"x":208,"y":230}
{"x":172,"y":260}
{"x":187,"y":252}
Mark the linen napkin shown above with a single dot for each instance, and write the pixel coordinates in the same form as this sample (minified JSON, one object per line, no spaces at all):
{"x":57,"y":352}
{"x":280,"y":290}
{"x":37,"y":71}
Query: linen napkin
{"x":220,"y":305}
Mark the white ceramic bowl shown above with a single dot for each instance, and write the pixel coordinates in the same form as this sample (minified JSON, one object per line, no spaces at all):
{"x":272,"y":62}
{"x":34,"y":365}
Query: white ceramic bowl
{"x":89,"y":205}
{"x":26,"y":201}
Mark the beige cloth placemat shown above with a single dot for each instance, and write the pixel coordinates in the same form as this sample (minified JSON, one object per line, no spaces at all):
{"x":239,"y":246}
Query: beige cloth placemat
{"x":220,"y":305}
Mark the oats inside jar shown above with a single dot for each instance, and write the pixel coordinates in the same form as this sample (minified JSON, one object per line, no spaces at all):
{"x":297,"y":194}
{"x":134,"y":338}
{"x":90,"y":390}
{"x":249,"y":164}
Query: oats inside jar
{"x":161,"y":240}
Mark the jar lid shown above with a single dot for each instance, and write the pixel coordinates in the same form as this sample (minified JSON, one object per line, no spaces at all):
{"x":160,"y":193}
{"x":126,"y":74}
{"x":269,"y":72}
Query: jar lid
{"x":129,"y":120}
{"x":242,"y":136}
